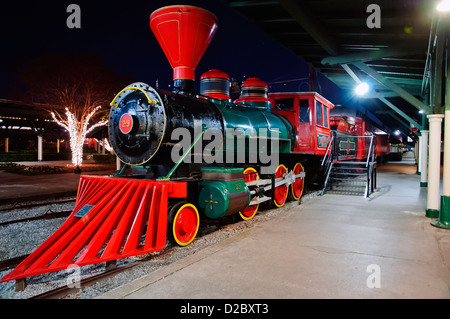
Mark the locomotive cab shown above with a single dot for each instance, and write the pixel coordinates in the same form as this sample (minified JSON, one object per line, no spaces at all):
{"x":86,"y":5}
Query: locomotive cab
{"x":309,"y":114}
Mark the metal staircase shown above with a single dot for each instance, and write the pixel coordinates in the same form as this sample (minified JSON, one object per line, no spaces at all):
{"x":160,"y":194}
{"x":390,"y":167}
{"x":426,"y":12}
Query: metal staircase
{"x":350,"y":177}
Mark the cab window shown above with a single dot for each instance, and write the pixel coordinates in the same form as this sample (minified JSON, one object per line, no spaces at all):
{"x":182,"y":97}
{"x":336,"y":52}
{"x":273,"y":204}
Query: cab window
{"x":319,"y":113}
{"x":304,"y":110}
{"x":325,"y":116}
{"x":284,"y":104}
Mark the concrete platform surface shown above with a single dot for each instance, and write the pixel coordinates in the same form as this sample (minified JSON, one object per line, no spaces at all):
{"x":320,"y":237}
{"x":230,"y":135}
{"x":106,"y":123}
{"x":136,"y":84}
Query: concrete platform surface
{"x":333,"y":246}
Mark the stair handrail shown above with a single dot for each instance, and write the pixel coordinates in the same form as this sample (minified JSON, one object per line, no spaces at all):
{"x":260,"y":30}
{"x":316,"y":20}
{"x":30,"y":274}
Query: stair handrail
{"x":367,"y":190}
{"x":329,"y":162}
{"x":330,"y":158}
{"x":371,"y":159}
{"x":328,"y":150}
{"x":370,"y":150}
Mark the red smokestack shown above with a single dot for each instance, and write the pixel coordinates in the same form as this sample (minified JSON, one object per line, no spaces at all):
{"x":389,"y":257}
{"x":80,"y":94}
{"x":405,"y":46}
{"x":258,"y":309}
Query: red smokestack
{"x":184,"y":33}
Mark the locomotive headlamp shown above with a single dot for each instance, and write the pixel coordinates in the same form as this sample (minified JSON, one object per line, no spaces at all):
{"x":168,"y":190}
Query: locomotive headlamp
{"x":443,"y":6}
{"x":362,"y":89}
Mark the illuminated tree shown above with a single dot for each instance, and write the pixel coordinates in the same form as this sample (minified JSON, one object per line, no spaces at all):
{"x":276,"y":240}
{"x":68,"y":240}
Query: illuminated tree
{"x":77,"y":91}
{"x":78,"y":129}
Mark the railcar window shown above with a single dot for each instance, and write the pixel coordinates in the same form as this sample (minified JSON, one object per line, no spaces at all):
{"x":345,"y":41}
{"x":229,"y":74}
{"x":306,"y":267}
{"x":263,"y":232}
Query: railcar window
{"x":325,"y":116}
{"x":319,"y":113}
{"x":304,"y":111}
{"x":284,"y":104}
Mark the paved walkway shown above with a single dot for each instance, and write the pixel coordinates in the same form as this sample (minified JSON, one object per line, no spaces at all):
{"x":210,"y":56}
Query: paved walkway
{"x":330,"y":247}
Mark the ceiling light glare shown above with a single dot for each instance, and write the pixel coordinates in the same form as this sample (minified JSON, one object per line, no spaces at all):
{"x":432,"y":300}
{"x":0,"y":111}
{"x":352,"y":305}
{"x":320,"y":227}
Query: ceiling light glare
{"x":362,"y":89}
{"x":444,"y":6}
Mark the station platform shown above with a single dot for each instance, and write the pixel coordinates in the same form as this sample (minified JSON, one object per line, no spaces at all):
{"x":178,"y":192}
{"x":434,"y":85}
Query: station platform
{"x":332,"y":246}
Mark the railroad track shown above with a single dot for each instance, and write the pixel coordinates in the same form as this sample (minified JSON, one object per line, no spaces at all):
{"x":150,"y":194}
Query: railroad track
{"x":48,"y":214}
{"x":18,"y":205}
{"x":66,"y":290}
{"x":110,"y":271}
{"x":11,"y":263}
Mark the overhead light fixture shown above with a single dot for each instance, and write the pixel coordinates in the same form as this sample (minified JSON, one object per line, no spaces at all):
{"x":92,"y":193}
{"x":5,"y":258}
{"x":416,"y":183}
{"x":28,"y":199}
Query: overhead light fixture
{"x":421,"y":111}
{"x":397,"y":132}
{"x":444,"y":6}
{"x":362,"y":88}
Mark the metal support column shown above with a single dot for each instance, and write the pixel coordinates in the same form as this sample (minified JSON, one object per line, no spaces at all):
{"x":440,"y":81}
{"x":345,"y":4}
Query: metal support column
{"x":434,"y":167}
{"x":419,"y":154}
{"x":423,"y":162}
{"x":444,"y":216}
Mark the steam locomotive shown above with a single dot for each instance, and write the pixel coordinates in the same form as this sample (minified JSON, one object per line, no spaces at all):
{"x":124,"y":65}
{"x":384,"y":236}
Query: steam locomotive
{"x":190,"y":155}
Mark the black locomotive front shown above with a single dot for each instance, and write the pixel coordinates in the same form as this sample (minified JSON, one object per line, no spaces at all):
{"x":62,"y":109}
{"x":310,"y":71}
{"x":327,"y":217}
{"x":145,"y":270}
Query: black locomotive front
{"x":142,"y":120}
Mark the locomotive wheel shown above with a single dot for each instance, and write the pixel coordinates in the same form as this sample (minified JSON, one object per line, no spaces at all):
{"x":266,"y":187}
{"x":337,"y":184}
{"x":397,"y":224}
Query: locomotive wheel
{"x":298,"y":186}
{"x":250,"y":174}
{"x":281,"y":192}
{"x":183,"y":224}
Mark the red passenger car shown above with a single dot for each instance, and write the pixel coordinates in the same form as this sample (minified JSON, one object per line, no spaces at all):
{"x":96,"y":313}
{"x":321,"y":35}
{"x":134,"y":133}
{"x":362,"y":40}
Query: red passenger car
{"x":352,"y":140}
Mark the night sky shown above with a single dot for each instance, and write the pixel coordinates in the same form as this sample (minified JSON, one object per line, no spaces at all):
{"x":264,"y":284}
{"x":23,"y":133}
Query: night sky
{"x":119,"y":33}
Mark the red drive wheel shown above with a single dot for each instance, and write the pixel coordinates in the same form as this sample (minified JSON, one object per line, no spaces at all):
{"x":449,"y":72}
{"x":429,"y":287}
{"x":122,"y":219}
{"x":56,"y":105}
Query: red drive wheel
{"x":281,"y":192}
{"x":250,"y":174}
{"x":183,"y":224}
{"x":298,"y":184}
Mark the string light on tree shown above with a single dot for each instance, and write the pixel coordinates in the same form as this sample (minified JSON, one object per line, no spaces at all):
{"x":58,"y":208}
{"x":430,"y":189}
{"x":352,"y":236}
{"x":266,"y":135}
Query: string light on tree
{"x":77,"y":132}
